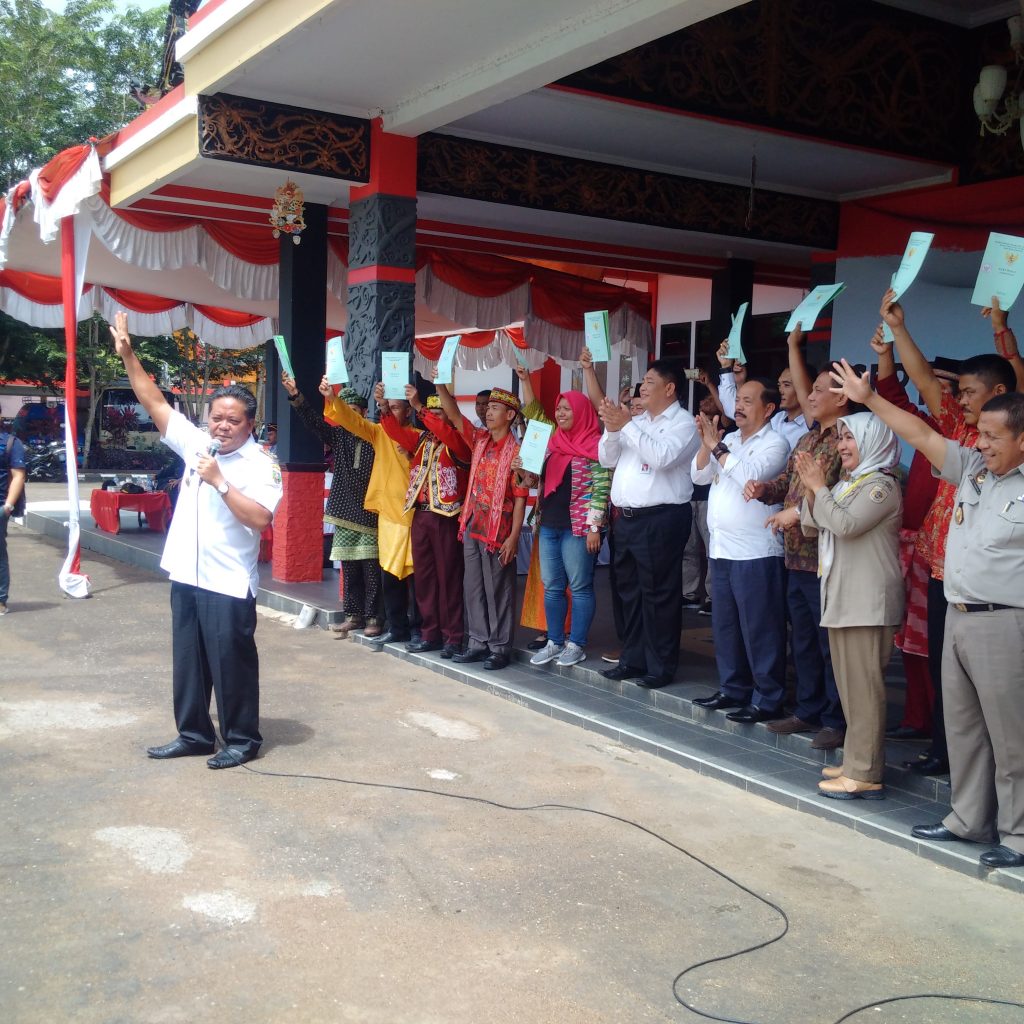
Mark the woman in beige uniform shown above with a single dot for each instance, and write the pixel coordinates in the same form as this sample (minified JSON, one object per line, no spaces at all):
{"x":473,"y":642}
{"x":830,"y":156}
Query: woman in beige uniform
{"x":858,"y":522}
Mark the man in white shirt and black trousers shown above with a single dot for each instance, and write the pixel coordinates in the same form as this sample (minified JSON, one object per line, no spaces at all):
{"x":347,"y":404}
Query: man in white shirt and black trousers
{"x":651,"y":491}
{"x":226,"y":499}
{"x":748,"y":617}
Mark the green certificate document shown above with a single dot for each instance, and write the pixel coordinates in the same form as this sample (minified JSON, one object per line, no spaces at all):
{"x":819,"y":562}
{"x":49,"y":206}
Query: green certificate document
{"x":735,"y":347}
{"x":808,"y":311}
{"x":394,"y":373}
{"x":913,"y":258}
{"x":337,"y":371}
{"x":535,"y":445}
{"x":446,"y":360}
{"x":1002,"y":271}
{"x":282,"y":354}
{"x":596,"y":335}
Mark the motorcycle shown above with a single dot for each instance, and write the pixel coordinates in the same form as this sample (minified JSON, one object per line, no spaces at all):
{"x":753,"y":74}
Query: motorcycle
{"x":46,"y":461}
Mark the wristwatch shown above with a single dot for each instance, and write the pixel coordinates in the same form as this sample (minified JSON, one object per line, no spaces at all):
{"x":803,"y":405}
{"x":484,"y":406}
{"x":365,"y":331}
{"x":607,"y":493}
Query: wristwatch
{"x":595,"y":529}
{"x":222,"y":488}
{"x":719,"y":450}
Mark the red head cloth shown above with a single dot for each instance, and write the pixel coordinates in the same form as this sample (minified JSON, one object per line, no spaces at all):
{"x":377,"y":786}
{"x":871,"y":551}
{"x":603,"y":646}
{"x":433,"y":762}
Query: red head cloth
{"x":580,"y":440}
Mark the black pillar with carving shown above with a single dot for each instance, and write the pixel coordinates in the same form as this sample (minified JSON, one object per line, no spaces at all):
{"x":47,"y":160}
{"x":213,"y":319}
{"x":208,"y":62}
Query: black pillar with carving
{"x":730,"y":288}
{"x":382,"y":260}
{"x":298,"y":530}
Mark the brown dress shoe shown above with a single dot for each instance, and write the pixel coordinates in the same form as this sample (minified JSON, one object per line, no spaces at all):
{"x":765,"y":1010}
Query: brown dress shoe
{"x":828,"y":739}
{"x":832,"y":771}
{"x":790,"y":725}
{"x":842,"y":788}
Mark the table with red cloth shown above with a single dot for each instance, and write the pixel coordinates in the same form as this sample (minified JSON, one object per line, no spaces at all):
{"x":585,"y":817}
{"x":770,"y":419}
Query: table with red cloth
{"x":106,"y":508}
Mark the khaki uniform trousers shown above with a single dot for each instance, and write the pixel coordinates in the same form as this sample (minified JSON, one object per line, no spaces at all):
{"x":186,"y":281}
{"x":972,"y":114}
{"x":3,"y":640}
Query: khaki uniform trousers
{"x":983,"y":698}
{"x":859,"y":657}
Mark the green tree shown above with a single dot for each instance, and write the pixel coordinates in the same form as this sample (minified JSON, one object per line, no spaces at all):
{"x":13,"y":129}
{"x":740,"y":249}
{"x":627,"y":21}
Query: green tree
{"x":66,"y":77}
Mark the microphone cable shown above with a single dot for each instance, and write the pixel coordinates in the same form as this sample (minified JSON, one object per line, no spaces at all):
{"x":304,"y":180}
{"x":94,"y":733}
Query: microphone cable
{"x":607,"y":815}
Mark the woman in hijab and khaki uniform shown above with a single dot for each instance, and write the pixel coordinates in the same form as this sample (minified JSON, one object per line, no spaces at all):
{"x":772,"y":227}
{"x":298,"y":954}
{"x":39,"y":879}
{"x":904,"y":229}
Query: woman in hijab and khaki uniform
{"x":858,"y":526}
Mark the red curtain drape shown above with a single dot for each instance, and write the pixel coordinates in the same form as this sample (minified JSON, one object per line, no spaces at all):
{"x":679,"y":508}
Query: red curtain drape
{"x":229,"y":317}
{"x":35,"y":287}
{"x":430,"y":347}
{"x":54,"y":174}
{"x":961,"y":218}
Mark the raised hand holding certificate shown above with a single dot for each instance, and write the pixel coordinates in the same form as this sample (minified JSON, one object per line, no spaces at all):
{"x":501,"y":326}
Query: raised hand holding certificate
{"x":735,"y":347}
{"x":1002,"y":271}
{"x":446,"y":360}
{"x":535,"y":445}
{"x":808,"y":311}
{"x":597,"y":335}
{"x":282,"y":355}
{"x":394,"y":373}
{"x":337,"y":371}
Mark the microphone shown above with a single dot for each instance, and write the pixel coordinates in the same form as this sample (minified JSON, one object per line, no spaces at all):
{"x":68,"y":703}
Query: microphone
{"x":211,"y":449}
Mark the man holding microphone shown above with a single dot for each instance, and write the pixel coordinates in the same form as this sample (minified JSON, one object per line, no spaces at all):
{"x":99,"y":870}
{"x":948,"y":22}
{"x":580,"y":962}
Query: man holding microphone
{"x":227,"y":498}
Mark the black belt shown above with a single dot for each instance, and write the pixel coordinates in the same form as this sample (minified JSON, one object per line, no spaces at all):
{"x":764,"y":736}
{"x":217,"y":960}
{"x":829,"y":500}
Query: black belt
{"x":422,"y":506}
{"x":636,"y":513}
{"x":982,"y":607}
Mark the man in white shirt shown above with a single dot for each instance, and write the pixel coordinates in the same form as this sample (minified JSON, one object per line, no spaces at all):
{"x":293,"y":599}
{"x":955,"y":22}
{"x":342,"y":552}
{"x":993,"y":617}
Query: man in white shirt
{"x":747,"y":574}
{"x":788,"y":420}
{"x":651,"y":491}
{"x":226,"y":499}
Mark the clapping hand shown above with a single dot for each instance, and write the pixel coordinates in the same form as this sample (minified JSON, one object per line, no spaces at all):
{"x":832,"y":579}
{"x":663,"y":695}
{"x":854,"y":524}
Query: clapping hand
{"x":288,"y":383}
{"x":856,"y":387}
{"x":710,"y":434}
{"x":786,"y":519}
{"x":809,"y":472}
{"x":614,"y":417}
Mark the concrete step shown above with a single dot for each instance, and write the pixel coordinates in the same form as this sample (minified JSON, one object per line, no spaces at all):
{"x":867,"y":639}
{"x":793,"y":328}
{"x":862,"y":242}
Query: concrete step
{"x":780,"y":772}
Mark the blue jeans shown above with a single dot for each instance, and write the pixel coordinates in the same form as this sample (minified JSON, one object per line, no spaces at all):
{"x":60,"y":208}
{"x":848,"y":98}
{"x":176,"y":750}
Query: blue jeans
{"x":565,"y":561}
{"x":5,"y":569}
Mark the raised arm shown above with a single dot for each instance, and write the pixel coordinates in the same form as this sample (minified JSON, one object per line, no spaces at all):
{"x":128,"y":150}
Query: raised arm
{"x":311,"y":420}
{"x":594,"y":390}
{"x":930,"y":443}
{"x":802,"y":382}
{"x":450,"y":407}
{"x":149,"y":395}
{"x":918,"y":368}
{"x":525,"y":385}
{"x":1005,"y":340}
{"x":727,"y":381}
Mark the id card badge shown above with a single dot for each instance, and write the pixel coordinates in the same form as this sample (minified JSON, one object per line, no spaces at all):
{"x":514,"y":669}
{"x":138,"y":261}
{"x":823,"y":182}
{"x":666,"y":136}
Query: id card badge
{"x":645,"y":469}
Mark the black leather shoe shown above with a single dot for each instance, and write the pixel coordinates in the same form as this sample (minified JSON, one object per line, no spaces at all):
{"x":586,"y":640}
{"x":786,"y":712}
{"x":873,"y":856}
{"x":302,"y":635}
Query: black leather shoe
{"x":538,"y":643}
{"x":905,"y":732}
{"x":229,"y":757}
{"x":178,"y":748}
{"x":928,"y":766}
{"x":622,"y":672}
{"x":422,"y":646}
{"x":718,"y":701}
{"x":652,"y":682}
{"x":1002,"y":857}
{"x":495,"y":662}
{"x":467,"y":657}
{"x":449,"y":651}
{"x":751,"y":715}
{"x":934,"y":833}
{"x":389,"y":638}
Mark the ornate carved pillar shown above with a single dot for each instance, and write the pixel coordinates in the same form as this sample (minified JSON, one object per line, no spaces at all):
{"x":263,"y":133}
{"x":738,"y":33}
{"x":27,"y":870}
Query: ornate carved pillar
{"x":382,"y":259}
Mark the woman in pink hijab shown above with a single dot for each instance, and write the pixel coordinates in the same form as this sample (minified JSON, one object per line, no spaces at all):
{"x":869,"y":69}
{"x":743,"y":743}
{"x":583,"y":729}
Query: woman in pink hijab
{"x":572,"y":510}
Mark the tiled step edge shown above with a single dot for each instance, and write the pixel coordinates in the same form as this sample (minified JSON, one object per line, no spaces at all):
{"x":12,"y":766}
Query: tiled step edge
{"x":526,"y":692}
{"x":678,"y":701}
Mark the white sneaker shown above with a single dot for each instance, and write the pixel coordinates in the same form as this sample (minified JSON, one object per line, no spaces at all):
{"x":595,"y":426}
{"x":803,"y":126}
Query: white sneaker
{"x":547,"y":653}
{"x":3,"y":609}
{"x":572,"y":654}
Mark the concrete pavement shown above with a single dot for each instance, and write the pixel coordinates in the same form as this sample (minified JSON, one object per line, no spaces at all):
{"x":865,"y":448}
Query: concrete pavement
{"x":143,"y":891}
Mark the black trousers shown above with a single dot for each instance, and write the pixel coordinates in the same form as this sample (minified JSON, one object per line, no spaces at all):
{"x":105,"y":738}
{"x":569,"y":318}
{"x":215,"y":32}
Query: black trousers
{"x":937,"y":607}
{"x":214,"y":651}
{"x":400,"y":611}
{"x":648,"y":574}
